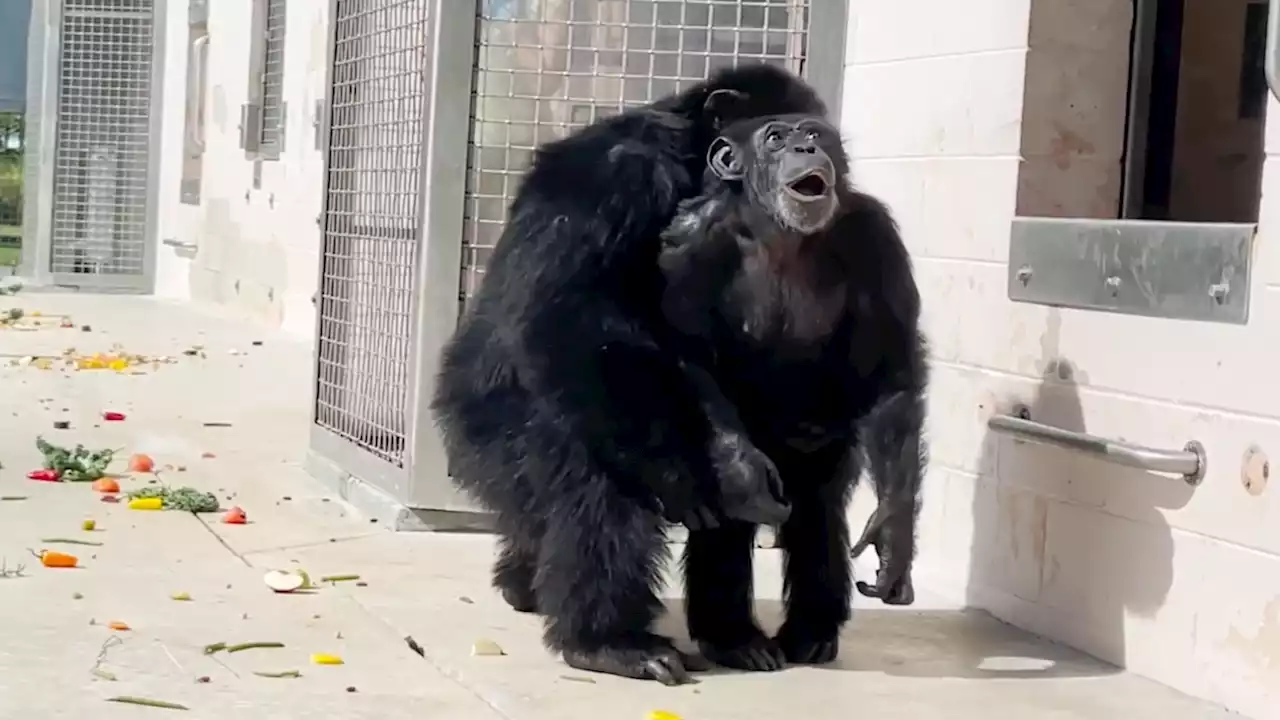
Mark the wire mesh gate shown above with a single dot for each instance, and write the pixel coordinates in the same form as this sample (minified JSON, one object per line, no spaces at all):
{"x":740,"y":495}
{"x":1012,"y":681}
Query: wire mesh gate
{"x":100,"y":70}
{"x":427,"y":142}
{"x":377,"y":109}
{"x":546,"y":68}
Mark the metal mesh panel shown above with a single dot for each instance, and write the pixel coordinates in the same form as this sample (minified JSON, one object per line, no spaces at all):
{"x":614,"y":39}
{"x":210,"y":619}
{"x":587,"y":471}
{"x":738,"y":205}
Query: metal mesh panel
{"x":103,"y":138}
{"x":545,"y":67}
{"x":11,"y":180}
{"x":371,"y":219}
{"x":273,"y":74}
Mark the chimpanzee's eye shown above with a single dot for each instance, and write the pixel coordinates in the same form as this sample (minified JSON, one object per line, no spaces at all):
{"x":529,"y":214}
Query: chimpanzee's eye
{"x":811,"y":136}
{"x":773,"y":139}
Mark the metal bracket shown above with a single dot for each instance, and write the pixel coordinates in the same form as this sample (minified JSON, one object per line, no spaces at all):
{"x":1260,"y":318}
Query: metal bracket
{"x":1190,"y":462}
{"x":317,"y":125}
{"x":251,"y":127}
{"x":1186,"y":271}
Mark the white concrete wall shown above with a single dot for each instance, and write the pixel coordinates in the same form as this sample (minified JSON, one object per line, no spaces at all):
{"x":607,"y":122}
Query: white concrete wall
{"x":257,"y":249}
{"x":1182,"y":586}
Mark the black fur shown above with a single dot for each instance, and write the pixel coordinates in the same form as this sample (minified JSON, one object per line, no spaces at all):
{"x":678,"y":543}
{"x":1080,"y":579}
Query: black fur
{"x":560,"y":407}
{"x":812,"y":334}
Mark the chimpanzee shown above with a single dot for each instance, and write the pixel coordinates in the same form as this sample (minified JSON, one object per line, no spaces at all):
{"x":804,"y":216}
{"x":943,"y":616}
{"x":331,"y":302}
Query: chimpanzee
{"x":795,"y":293}
{"x":562,"y":407}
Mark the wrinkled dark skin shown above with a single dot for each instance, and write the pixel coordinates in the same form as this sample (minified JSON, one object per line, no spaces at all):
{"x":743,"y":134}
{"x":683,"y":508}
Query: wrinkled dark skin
{"x":893,"y":579}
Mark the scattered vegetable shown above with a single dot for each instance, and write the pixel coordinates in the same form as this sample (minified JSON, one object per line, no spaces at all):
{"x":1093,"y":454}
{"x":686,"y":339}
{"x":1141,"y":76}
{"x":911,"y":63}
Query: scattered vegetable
{"x":284,"y":581}
{"x":181,"y":597}
{"x":12,"y":498}
{"x":339,"y":578}
{"x":7,"y":572}
{"x":76,"y":464}
{"x":111,"y":415}
{"x":97,"y":669}
{"x":141,"y":463}
{"x":235,"y":516}
{"x":322,"y":659}
{"x":148,"y":702}
{"x":71,"y":541}
{"x":414,"y":646}
{"x":146,"y":503}
{"x":45,"y":475}
{"x":117,"y":625}
{"x":54,"y":559}
{"x":106,"y":485}
{"x":253,"y":646}
{"x":185,"y":499}
{"x":662,"y":715}
{"x":89,"y":525}
{"x":486,"y":648}
{"x":215,"y":647}
{"x":281,"y":674}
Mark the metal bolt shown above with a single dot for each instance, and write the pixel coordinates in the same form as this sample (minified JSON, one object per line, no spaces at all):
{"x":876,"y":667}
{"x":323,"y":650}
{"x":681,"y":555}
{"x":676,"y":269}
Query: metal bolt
{"x":1024,"y":274}
{"x":1218,"y":291}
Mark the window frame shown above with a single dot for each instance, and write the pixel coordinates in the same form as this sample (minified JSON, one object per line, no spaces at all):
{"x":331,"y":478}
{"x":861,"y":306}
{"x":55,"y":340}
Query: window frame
{"x":262,"y":135}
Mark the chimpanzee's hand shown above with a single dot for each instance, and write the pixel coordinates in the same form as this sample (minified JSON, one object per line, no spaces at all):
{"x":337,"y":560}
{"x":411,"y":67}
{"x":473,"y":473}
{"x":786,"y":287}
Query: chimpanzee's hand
{"x":688,"y":500}
{"x":750,"y":486}
{"x":700,"y":517}
{"x":891,"y":531}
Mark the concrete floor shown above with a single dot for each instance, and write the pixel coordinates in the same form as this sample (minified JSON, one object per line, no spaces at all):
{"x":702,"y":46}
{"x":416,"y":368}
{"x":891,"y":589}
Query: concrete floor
{"x":933,"y":660}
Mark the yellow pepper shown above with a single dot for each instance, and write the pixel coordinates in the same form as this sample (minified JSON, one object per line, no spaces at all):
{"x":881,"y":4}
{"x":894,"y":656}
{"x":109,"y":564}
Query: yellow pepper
{"x":150,"y":503}
{"x":322,"y":659}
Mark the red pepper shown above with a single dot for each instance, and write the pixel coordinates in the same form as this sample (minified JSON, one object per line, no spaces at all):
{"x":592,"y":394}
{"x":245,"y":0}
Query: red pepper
{"x":111,"y":415}
{"x":44,"y":475}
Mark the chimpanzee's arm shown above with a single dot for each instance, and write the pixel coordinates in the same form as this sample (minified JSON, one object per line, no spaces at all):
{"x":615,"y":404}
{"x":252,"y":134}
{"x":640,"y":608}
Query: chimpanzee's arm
{"x":896,"y":453}
{"x":892,"y":354}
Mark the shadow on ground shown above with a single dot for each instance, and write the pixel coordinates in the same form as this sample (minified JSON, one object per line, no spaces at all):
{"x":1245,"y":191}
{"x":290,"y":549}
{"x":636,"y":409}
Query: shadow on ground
{"x":929,"y":644}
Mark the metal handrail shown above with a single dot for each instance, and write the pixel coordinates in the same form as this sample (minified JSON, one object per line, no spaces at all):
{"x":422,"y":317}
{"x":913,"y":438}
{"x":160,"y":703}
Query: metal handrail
{"x":1189,"y":462}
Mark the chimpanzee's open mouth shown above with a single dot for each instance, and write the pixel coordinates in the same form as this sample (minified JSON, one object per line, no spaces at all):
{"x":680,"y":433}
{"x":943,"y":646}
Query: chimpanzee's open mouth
{"x":810,"y":186}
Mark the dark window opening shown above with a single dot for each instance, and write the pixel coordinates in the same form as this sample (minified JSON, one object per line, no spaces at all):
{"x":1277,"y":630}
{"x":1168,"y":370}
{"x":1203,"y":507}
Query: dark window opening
{"x":1200,"y":146}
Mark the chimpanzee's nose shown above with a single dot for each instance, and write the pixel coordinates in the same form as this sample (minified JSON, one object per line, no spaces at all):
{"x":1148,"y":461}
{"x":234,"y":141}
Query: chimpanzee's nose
{"x":804,"y":147}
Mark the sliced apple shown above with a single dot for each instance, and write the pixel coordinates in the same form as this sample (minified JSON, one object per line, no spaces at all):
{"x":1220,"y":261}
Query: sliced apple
{"x":283,"y":581}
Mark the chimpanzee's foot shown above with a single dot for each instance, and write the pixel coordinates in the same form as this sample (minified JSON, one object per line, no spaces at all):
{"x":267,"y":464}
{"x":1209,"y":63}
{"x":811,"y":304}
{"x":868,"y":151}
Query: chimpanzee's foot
{"x":654,"y":658}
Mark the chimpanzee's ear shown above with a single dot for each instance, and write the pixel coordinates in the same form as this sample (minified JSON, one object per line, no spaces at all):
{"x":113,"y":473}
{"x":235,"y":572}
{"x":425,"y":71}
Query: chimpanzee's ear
{"x":721,"y":106}
{"x":723,"y":159}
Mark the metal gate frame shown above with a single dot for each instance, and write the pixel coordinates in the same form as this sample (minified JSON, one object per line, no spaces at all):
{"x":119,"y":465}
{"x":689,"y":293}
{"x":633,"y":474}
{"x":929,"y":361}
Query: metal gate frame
{"x":437,"y":277}
{"x":422,"y":482}
{"x":44,"y":61}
